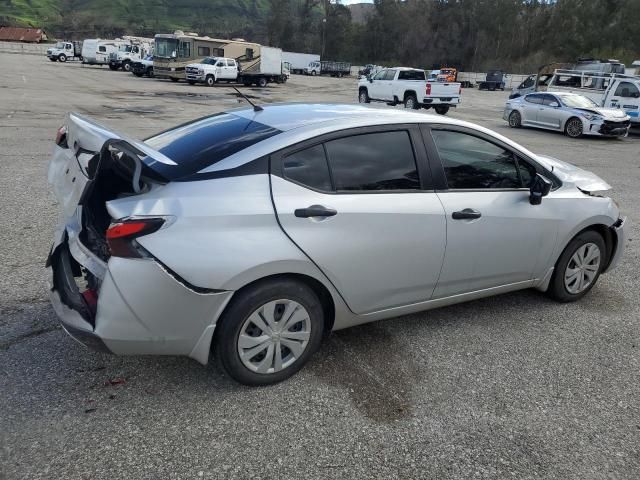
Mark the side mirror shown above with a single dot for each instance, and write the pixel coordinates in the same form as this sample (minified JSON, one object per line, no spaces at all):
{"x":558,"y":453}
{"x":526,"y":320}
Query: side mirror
{"x":554,"y":104}
{"x":370,"y":78}
{"x":540,"y":187}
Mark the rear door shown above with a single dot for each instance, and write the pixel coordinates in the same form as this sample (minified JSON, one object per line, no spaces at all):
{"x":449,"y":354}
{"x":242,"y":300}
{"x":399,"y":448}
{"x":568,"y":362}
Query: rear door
{"x":359,"y":203}
{"x":550,"y":114}
{"x":495,"y":237}
{"x":530,"y":106}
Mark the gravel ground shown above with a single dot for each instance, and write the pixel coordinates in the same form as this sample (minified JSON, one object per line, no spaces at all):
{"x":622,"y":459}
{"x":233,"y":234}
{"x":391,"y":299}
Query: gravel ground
{"x":514,"y":386}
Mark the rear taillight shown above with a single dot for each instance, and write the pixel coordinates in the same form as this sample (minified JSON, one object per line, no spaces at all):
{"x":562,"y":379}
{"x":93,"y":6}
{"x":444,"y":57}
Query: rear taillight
{"x":61,"y":136}
{"x":428,"y":92}
{"x":121,"y":236}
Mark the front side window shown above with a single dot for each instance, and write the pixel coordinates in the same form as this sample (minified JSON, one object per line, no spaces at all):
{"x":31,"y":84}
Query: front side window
{"x":471,"y":162}
{"x":380,"y":75}
{"x":102,"y":49}
{"x":375,"y":161}
{"x":309,"y":168}
{"x":390,"y":75}
{"x":549,"y":100}
{"x":232,"y":63}
{"x":627,"y":90}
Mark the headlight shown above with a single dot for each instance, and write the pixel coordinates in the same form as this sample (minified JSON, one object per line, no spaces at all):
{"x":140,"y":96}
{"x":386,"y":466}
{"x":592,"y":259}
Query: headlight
{"x":591,"y":116}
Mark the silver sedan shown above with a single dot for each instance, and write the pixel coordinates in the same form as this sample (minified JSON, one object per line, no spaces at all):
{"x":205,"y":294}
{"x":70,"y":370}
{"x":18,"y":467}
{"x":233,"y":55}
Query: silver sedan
{"x":251,"y":234}
{"x":574,"y":114}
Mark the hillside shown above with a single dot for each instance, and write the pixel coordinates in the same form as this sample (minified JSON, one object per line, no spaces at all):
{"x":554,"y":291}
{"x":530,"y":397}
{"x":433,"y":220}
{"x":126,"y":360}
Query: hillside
{"x":79,"y":18}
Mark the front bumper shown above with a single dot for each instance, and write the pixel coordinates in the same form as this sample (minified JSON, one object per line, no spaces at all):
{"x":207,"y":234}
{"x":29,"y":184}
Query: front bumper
{"x":607,"y":128}
{"x":619,"y":228}
{"x":141,"y":308}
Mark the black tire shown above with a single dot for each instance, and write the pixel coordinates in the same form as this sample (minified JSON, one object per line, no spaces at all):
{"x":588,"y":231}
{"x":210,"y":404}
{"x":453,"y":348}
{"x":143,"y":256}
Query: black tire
{"x":62,"y":58}
{"x":515,"y":119}
{"x":441,"y":109}
{"x":210,"y":80}
{"x":313,"y":73}
{"x":558,"y":288}
{"x":262,"y":82}
{"x":126,"y":66}
{"x":246,"y":83}
{"x":245,"y":303}
{"x":113,"y":67}
{"x":410,"y":101}
{"x":175,"y":80}
{"x":191,"y":82}
{"x":363,"y":96}
{"x":149,"y":72}
{"x":138,"y":74}
{"x":53,"y":59}
{"x":573,"y":128}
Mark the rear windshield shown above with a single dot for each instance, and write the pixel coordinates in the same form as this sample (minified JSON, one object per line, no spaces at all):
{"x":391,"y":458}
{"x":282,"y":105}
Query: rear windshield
{"x":411,"y":75}
{"x":204,"y":142}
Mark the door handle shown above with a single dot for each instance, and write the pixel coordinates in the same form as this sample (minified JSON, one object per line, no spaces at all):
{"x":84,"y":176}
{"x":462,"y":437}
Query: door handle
{"x":466,"y":214}
{"x":315,"y":211}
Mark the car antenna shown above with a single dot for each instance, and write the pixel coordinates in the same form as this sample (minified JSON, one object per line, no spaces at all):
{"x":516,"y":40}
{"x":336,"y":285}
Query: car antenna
{"x":256,"y":108}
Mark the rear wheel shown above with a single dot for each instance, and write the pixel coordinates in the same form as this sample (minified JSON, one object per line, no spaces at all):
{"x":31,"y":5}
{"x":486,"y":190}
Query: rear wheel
{"x":363,"y":96}
{"x":138,"y":74}
{"x":441,"y":109}
{"x":573,"y":128}
{"x":262,"y":82}
{"x":411,"y":102}
{"x":578,"y":268}
{"x":53,"y":59}
{"x":210,"y":80}
{"x":515,"y":119}
{"x":62,"y":57}
{"x":126,"y":66}
{"x":174,"y":80}
{"x":191,"y":82}
{"x":113,"y":67}
{"x":269,"y":331}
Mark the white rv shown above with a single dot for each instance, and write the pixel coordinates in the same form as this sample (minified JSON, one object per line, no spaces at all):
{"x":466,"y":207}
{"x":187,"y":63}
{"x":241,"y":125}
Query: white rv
{"x":96,"y":51}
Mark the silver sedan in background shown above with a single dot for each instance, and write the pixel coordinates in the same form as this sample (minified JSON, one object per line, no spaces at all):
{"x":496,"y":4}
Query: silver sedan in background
{"x":573,"y":114}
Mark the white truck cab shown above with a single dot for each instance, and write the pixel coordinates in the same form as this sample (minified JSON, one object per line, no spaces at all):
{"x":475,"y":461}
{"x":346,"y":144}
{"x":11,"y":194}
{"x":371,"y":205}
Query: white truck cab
{"x":129,"y":53}
{"x":212,"y":70}
{"x":63,"y":51}
{"x":410,"y":87}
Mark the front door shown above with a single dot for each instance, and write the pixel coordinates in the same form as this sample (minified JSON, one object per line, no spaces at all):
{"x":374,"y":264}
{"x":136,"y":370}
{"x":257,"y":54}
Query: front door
{"x":549,"y":113}
{"x":495,"y":237}
{"x":358,"y":205}
{"x":377,"y":85}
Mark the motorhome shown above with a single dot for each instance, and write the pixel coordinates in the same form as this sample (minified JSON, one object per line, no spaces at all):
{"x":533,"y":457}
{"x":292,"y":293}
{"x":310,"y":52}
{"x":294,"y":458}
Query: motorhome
{"x":96,"y":51}
{"x":174,"y":51}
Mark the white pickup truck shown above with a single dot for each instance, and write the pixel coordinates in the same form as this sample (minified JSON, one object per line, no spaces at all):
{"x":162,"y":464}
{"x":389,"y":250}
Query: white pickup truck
{"x":267,"y":68}
{"x":410,"y":87}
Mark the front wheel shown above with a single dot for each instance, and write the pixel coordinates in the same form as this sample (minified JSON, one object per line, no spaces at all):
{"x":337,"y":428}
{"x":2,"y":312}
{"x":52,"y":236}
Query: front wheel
{"x":515,"y":119}
{"x":269,"y":331}
{"x":62,"y":57}
{"x":191,"y":82}
{"x":313,"y":73}
{"x":126,"y":66}
{"x":441,"y":109}
{"x":578,"y":268}
{"x":53,"y":59}
{"x":113,"y":67}
{"x":363,"y":97}
{"x":573,"y":128}
{"x":174,"y":80}
{"x":150,"y":72}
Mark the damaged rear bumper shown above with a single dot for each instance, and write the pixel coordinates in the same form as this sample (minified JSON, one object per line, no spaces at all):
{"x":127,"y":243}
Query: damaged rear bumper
{"x":141,"y":308}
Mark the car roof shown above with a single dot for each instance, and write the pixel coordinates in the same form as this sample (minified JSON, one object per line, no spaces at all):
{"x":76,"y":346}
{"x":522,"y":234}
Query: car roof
{"x":289,"y":116}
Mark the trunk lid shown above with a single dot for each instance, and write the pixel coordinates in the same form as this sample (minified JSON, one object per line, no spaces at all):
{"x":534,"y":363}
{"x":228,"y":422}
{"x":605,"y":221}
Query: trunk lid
{"x":76,"y":162}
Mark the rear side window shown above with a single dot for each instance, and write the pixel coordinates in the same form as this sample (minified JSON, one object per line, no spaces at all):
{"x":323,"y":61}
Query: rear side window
{"x":470,"y":162}
{"x":204,"y":142}
{"x":533,"y":99}
{"x":411,"y":75}
{"x":308,"y":167}
{"x":375,"y":161}
{"x":204,"y":51}
{"x":549,"y":100}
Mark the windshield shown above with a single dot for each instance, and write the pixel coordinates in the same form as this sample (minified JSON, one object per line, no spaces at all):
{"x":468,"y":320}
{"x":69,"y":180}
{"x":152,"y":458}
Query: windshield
{"x":165,"y":47}
{"x":60,"y":45}
{"x":578,"y":101}
{"x":125,"y":48}
{"x":210,"y":61}
{"x":201,"y":143}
